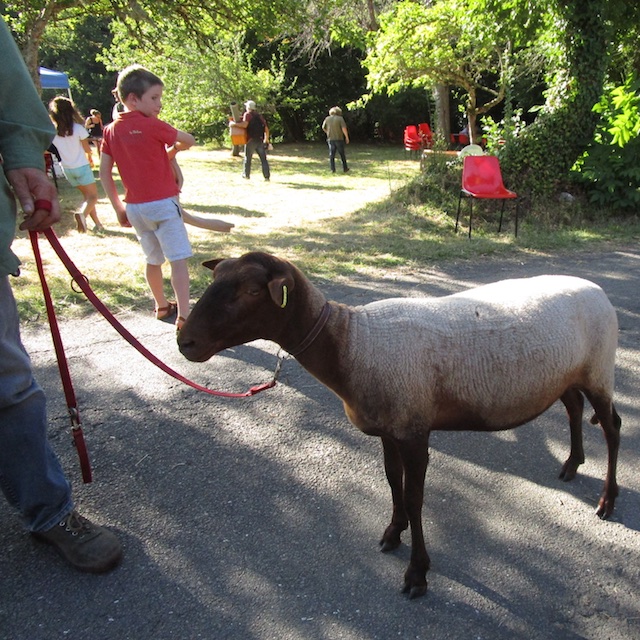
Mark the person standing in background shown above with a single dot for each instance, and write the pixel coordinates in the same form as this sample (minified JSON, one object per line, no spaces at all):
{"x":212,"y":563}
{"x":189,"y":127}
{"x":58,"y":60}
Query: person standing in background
{"x":337,"y":135}
{"x":72,"y":143}
{"x":257,"y":139}
{"x":93,"y":124}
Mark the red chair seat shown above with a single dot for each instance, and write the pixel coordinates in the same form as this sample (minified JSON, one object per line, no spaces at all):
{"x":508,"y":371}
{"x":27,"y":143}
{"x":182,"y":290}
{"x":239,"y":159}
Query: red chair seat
{"x":426,"y":136}
{"x":482,"y":179}
{"x":412,"y":140}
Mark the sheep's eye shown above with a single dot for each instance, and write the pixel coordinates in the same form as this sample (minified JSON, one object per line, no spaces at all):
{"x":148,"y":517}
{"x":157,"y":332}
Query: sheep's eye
{"x":253,"y":292}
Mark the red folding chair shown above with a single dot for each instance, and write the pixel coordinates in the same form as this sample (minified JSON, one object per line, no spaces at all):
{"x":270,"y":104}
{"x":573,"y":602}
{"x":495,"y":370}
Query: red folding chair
{"x":412,"y":140}
{"x":482,"y":179}
{"x":424,"y":131}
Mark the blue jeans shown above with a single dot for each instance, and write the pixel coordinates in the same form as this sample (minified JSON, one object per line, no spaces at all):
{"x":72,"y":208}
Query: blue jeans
{"x":337,"y":146}
{"x":256,"y":145}
{"x":31,"y":477}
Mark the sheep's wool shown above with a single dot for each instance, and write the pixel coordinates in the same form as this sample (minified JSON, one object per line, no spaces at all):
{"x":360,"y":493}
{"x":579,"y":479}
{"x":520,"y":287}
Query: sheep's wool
{"x":488,"y":349}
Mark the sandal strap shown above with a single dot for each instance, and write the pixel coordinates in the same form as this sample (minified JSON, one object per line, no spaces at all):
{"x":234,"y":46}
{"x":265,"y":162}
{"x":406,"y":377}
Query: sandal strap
{"x":165,"y":312}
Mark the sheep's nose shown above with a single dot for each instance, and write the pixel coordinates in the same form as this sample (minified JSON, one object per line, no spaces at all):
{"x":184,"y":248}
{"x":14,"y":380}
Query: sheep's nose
{"x":183,"y":339}
{"x":184,"y":343}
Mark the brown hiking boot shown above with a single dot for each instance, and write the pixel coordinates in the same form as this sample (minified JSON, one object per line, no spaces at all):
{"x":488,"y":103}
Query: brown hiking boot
{"x":83,"y":544}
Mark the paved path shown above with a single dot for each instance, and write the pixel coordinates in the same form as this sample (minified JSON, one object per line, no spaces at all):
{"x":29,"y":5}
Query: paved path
{"x":260,"y":518}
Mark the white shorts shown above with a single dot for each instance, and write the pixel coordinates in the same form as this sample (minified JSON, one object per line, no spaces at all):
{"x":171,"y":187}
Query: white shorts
{"x":160,"y":229}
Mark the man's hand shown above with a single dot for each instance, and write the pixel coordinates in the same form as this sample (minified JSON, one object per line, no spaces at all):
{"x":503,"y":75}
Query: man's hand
{"x":31,"y":185}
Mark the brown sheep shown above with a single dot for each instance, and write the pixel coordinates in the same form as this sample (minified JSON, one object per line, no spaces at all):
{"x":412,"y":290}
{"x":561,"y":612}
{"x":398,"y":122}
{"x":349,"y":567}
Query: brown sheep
{"x":486,"y":359}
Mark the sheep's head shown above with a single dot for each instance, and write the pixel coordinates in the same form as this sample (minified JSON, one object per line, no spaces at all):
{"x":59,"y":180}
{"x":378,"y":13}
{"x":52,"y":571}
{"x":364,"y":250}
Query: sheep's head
{"x":249,"y":299}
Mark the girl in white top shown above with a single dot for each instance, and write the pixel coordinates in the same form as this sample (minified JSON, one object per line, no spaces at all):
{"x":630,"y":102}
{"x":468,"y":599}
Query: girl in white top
{"x":72,"y":143}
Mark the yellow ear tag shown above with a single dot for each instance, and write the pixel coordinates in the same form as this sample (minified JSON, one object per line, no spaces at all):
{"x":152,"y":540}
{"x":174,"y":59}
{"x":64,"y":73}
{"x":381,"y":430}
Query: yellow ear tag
{"x":284,"y":296}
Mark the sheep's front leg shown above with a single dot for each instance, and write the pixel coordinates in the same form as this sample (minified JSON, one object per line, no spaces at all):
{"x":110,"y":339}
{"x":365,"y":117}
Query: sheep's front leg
{"x":395,"y":476}
{"x":573,"y":401}
{"x":415,"y":458}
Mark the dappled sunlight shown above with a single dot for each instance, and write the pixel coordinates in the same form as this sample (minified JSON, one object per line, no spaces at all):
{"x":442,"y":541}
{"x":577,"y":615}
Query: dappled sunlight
{"x":362,"y":223}
{"x":260,"y":518}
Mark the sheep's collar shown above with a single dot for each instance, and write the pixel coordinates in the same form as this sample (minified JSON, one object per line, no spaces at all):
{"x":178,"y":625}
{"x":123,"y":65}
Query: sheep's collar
{"x":315,"y":330}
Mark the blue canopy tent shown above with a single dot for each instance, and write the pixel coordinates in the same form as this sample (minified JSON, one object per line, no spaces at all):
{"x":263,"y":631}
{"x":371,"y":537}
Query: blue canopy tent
{"x":50,"y":79}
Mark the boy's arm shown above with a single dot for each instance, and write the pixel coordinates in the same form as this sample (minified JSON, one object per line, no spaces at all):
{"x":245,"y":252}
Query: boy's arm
{"x":109,"y":186}
{"x":183,"y":142}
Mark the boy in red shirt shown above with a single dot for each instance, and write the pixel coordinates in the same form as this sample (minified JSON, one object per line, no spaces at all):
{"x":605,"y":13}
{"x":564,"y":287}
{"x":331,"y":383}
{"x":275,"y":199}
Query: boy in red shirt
{"x":142,"y":147}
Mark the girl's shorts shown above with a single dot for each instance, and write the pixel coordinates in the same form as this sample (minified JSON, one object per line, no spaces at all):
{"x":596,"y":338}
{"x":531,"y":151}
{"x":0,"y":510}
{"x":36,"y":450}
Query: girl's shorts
{"x":80,"y":176}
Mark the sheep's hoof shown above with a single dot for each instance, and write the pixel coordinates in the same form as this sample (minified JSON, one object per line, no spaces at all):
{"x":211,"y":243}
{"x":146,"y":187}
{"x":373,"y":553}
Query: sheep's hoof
{"x":569,"y":470}
{"x":605,"y":508}
{"x":391,"y":537}
{"x":387,"y":545}
{"x":415,"y":591}
{"x":415,"y":579}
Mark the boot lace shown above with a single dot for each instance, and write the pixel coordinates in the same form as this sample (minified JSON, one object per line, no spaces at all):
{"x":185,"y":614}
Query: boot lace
{"x":75,"y":524}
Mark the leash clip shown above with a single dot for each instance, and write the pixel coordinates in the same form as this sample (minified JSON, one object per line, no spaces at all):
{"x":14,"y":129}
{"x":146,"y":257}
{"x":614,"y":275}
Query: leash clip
{"x":74,"y":416}
{"x":278,"y":369}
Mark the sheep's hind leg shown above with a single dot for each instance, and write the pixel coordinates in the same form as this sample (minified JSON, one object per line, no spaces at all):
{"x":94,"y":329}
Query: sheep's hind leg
{"x":573,"y":401}
{"x":610,"y":422}
{"x":395,"y":476}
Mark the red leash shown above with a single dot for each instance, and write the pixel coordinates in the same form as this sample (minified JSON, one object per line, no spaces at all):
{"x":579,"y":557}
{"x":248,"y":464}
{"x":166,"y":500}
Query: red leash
{"x":63,"y":367}
{"x":83,"y":283}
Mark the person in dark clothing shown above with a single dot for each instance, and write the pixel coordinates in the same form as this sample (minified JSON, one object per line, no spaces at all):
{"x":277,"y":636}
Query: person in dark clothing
{"x":257,"y":139}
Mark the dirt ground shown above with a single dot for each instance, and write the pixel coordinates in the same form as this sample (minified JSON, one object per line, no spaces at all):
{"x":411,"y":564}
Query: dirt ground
{"x":259,"y":519}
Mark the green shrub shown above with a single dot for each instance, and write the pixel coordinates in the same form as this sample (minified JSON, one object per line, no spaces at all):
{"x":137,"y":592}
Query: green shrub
{"x":609,"y":168}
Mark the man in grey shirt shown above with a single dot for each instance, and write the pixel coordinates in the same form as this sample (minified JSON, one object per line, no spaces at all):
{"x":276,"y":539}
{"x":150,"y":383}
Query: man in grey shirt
{"x":337,"y":135}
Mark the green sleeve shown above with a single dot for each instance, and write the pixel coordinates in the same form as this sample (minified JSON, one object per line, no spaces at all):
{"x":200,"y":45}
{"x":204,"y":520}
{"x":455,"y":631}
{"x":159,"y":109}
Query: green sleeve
{"x":25,"y":128}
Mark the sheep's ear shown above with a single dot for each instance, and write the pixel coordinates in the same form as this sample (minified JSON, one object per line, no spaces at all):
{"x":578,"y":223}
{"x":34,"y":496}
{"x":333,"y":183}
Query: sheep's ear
{"x":279,"y":289}
{"x":211,"y":264}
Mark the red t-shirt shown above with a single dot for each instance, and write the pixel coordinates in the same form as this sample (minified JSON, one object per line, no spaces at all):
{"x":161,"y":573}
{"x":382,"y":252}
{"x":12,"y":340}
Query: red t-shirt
{"x":137,"y":144}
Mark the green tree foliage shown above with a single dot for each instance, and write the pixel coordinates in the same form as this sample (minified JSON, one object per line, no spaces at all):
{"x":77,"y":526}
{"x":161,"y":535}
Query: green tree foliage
{"x":312,"y":83}
{"x":540,"y":158}
{"x":609,"y":167}
{"x":200,"y":83}
{"x":74,"y":47}
{"x":448,"y":42}
{"x":199,"y":21}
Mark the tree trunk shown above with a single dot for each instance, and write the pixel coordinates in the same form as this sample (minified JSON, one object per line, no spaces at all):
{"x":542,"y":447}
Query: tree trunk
{"x":443,"y":114}
{"x":373,"y":20}
{"x":34,"y":30}
{"x":472,"y":114}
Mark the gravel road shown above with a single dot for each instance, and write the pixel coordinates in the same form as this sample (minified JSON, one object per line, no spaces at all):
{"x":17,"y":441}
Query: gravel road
{"x":260,"y":518}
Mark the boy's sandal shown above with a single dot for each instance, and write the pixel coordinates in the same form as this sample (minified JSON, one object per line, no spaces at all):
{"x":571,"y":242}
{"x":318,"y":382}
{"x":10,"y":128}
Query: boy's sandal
{"x":180,"y":323}
{"x":162,"y":313}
